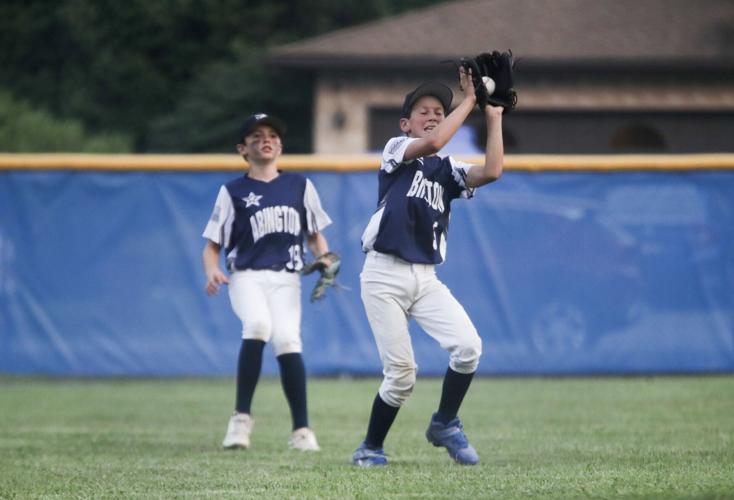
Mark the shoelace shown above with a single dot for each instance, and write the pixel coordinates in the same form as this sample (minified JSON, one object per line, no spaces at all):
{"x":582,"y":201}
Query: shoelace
{"x":456,"y":435}
{"x":459,"y":440}
{"x":372,"y":453}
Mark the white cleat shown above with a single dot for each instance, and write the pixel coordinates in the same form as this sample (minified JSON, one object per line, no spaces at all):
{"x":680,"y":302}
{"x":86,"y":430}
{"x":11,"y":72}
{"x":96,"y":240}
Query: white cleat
{"x":303,"y":439}
{"x":238,"y":431}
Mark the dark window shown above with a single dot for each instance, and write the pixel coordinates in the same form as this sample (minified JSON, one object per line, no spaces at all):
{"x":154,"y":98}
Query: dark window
{"x":638,"y":138}
{"x":384,"y":123}
{"x":587,"y":132}
{"x":480,"y":135}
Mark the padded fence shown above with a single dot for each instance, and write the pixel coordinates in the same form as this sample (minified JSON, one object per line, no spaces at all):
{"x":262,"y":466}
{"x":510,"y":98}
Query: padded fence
{"x":567,"y":265}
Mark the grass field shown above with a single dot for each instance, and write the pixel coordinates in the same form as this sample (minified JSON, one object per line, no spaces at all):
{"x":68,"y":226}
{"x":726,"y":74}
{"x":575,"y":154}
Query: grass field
{"x":537,"y":438}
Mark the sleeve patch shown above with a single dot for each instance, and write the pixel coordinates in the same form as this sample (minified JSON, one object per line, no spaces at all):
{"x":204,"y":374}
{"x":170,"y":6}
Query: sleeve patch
{"x":396,"y":145}
{"x":215,"y":214}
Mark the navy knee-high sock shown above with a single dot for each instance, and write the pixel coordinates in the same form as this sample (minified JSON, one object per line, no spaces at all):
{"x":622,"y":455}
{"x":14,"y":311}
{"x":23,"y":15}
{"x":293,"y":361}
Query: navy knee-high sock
{"x":381,"y":419}
{"x":455,"y":386}
{"x":248,"y":373}
{"x":293,"y":379}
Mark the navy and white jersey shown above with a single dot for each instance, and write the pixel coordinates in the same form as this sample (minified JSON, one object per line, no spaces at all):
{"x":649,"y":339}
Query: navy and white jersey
{"x":414,"y":197}
{"x":261,"y":225}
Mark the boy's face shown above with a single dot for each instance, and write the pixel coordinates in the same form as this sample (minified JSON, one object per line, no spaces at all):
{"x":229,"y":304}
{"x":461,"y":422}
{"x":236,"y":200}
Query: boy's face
{"x":261,"y":144}
{"x":426,"y":114}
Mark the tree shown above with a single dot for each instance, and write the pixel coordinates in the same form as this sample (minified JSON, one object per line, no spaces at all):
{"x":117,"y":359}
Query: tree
{"x":24,"y":129}
{"x":173,"y":75}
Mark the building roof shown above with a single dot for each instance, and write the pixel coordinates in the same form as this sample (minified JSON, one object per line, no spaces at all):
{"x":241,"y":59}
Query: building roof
{"x":538,"y":31}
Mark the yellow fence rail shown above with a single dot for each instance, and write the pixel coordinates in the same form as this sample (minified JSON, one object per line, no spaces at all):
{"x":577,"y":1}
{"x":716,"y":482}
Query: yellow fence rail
{"x":352,"y":163}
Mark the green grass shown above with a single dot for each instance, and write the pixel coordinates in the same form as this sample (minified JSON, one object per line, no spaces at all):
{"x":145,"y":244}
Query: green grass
{"x":537,"y":438}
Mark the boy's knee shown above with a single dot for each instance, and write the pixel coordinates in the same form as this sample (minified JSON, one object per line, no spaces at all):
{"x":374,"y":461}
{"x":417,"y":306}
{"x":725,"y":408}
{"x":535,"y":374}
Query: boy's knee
{"x":288,"y":347}
{"x":256,"y":330}
{"x":398,"y":385}
{"x":465,"y":357}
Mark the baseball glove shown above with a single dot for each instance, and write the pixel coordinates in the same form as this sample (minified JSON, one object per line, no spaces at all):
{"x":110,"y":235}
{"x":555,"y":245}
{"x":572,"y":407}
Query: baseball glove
{"x":499,"y":67}
{"x":328,"y":273}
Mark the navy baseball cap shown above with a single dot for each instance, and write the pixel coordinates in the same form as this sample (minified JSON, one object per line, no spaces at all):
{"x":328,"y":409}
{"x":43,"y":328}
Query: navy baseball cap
{"x":435,"y":89}
{"x":260,"y":119}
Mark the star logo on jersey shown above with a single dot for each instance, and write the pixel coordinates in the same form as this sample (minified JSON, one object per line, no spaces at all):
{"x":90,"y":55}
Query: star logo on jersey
{"x":252,"y":199}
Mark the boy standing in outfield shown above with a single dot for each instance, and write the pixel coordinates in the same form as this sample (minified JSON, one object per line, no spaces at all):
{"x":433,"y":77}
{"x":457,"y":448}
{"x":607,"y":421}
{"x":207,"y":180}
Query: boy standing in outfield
{"x":260,"y":219}
{"x":404,"y":240}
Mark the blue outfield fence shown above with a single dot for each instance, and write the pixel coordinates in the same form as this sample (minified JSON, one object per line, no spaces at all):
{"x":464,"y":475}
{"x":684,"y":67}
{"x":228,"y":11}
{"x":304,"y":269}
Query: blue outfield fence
{"x":562,"y":273}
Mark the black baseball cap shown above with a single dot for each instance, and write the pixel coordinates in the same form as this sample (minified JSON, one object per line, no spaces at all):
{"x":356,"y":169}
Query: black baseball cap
{"x":260,"y":119}
{"x":435,"y":89}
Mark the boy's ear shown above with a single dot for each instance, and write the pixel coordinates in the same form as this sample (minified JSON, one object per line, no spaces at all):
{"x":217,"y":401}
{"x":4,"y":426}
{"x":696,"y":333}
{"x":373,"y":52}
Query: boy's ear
{"x":241,"y":149}
{"x":405,"y":125}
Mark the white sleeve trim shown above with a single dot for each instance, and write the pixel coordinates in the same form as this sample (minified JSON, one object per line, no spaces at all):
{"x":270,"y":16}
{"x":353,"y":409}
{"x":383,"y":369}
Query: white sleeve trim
{"x":392,"y":155}
{"x":219,"y":227}
{"x":370,"y":232}
{"x":316,"y":218}
{"x":460,"y":170}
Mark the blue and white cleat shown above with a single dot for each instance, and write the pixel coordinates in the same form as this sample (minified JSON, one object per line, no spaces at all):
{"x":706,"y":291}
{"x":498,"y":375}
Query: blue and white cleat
{"x":369,"y":457}
{"x":451,"y":436}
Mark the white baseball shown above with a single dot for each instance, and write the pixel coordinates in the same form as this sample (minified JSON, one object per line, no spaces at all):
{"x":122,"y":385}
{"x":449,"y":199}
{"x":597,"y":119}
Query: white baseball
{"x":488,"y":84}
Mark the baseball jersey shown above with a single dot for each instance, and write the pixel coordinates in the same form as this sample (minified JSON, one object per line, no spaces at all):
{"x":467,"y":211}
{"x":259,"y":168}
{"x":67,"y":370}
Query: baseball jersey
{"x":261,"y":225}
{"x":414,"y":197}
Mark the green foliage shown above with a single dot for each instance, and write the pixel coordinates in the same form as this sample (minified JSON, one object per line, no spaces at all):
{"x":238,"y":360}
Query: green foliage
{"x":537,"y":438}
{"x":151,"y":70}
{"x":208,"y":115}
{"x":24,"y":129}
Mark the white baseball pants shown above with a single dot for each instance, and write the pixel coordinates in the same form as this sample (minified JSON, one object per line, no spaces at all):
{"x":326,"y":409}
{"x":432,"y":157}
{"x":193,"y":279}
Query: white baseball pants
{"x":269,"y":305}
{"x":394,"y":290}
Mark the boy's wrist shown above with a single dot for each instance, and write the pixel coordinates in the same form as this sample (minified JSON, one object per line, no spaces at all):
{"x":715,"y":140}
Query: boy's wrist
{"x":493,"y":112}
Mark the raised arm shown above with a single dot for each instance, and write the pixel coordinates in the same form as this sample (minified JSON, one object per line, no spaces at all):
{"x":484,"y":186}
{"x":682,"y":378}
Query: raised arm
{"x":494,"y":153}
{"x":437,"y":138}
